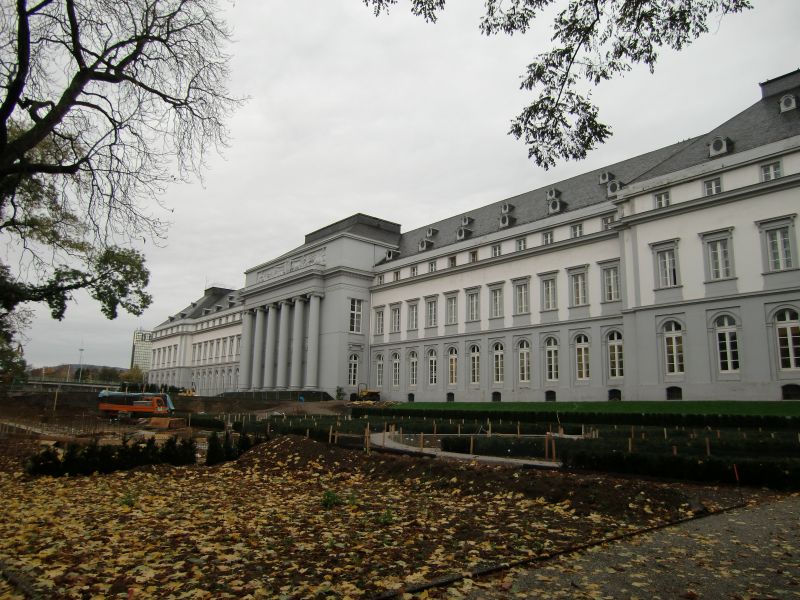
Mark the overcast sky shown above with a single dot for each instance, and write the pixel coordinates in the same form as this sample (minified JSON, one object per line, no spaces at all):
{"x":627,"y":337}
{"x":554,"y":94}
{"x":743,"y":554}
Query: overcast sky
{"x":399,"y":119}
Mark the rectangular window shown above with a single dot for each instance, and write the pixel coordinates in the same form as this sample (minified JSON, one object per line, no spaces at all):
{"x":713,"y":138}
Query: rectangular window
{"x":432,"y":266}
{"x":547,"y":238}
{"x":412,"y":369}
{"x":496,"y":250}
{"x":521,"y":298}
{"x":451,"y":261}
{"x":606,"y":222}
{"x":473,"y":256}
{"x":551,"y":361}
{"x":413,"y":270}
{"x":396,"y":276}
{"x":496,"y":295}
{"x":719,"y":264}
{"x":576,"y":230}
{"x":661,"y":200}
{"x":779,"y":249}
{"x":667,"y":268}
{"x":413,"y":316}
{"x":611,"y":284}
{"x":355,"y":315}
{"x":380,"y":279}
{"x":712,"y":186}
{"x":473,"y":306}
{"x":430,"y":314}
{"x":395,"y":319}
{"x":549,"y":294}
{"x":522,"y":244}
{"x":452,"y":310}
{"x":578,"y":285}
{"x":770,"y":171}
{"x":378,"y":322}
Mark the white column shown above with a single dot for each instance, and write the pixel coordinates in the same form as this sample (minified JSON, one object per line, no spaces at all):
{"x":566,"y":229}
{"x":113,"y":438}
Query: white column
{"x":246,"y":350}
{"x":296,"y":380}
{"x":283,"y":346}
{"x":269,"y":351}
{"x":312,"y":355}
{"x":257,"y":376}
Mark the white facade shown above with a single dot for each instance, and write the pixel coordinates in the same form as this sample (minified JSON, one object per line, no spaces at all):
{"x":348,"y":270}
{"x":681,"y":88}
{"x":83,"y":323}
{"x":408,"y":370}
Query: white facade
{"x":674,"y":274}
{"x":199,"y":347}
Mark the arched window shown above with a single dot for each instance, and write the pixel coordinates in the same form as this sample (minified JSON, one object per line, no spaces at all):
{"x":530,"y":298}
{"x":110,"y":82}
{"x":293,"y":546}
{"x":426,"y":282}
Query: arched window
{"x":379,"y":370}
{"x":727,"y":344}
{"x":551,"y":359}
{"x":581,"y":357}
{"x":673,"y":347}
{"x":524,"y":361}
{"x":432,"y":367}
{"x":452,"y":366}
{"x":352,"y":370}
{"x":499,"y":362}
{"x":615,"y":358}
{"x":788,"y":332}
{"x":412,"y":368}
{"x":474,"y":364}
{"x":395,"y":370}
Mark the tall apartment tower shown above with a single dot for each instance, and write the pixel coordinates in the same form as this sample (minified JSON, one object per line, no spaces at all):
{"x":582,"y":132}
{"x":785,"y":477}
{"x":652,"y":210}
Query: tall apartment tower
{"x":142,"y":349}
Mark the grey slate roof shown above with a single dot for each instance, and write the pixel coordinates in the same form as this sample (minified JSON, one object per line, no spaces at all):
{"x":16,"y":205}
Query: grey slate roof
{"x":362,"y":225}
{"x":212,"y":297}
{"x":577,"y":192}
{"x":760,"y":124}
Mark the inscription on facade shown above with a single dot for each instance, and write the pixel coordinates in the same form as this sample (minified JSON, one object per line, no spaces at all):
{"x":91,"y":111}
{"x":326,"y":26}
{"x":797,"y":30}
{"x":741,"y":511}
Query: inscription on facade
{"x":293,"y":264}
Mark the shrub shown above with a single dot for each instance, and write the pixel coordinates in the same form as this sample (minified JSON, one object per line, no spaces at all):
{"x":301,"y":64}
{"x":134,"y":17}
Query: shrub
{"x":331,"y":499}
{"x":215,"y":453}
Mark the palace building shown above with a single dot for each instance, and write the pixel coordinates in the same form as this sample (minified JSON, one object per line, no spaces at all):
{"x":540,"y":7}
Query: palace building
{"x":670,"y":275}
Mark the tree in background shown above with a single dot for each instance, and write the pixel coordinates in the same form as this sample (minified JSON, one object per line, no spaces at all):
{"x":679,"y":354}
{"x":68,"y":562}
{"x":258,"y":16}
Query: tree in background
{"x":592,"y":41}
{"x":102,"y":104}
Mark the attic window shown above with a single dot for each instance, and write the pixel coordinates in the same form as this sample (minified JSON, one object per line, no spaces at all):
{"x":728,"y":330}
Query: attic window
{"x":788,"y":102}
{"x":718,"y":146}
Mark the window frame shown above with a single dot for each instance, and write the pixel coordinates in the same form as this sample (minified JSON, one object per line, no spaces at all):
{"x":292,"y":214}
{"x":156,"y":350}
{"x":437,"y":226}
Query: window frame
{"x":712,"y":266}
{"x":524,"y":361}
{"x":395,"y":370}
{"x":661,"y":199}
{"x":550,"y":356}
{"x":497,"y":250}
{"x":548,"y":284}
{"x":615,"y":351}
{"x":578,"y":286}
{"x":413,"y":316}
{"x":770,"y":171}
{"x":496,"y":301}
{"x":356,"y":314}
{"x":787,"y":259}
{"x":433,"y":367}
{"x":522,"y":296}
{"x":353,"y":361}
{"x":498,"y":363}
{"x":379,"y":370}
{"x":611,"y":284}
{"x":431,"y":310}
{"x":394,"y":318}
{"x":712,"y":187}
{"x":379,"y":321}
{"x":413,"y":367}
{"x":473,"y":308}
{"x":674,"y":355}
{"x":475,"y":364}
{"x":452,"y":366}
{"x":582,"y":357}
{"x":666,"y":277}
{"x":521,"y":244}
{"x":548,"y":237}
{"x":451,"y":309}
{"x":788,"y":360}
{"x":432,"y":266}
{"x":726,"y":342}
{"x":575,"y":230}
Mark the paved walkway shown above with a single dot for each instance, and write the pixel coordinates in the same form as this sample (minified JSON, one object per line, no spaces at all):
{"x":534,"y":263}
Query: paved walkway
{"x":748,"y":553}
{"x":378,"y":440}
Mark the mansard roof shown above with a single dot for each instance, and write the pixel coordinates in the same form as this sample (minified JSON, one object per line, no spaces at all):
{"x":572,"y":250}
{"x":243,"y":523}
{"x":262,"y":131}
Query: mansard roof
{"x":212,"y":298}
{"x":577,"y":192}
{"x":760,"y":124}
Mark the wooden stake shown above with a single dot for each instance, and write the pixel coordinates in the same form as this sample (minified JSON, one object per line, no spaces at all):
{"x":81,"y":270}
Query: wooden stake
{"x":708,"y":447}
{"x":459,"y":433}
{"x":674,"y":451}
{"x":490,"y":430}
{"x":421,"y":442}
{"x":517,"y":428}
{"x":630,"y":445}
{"x":547,"y":446}
{"x":553,"y":441}
{"x":665,"y":433}
{"x":471,"y":444}
{"x":434,"y":428}
{"x":330,"y":434}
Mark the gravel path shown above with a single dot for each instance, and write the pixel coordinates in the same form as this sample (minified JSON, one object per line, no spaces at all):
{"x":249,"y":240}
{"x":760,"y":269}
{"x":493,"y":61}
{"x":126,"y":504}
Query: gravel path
{"x":749,"y":553}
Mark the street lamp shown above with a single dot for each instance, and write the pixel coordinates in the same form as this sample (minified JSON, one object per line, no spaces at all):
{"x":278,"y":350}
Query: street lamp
{"x":80,"y":364}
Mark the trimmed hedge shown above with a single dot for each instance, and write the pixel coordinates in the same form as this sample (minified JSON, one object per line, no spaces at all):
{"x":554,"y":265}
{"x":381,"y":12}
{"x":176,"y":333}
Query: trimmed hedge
{"x":656,"y":419}
{"x":92,"y":458}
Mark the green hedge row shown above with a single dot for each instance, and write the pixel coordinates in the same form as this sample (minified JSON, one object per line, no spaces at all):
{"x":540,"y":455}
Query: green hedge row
{"x":224,"y":450}
{"x":778,"y":472}
{"x":664,"y":420}
{"x":92,"y":458}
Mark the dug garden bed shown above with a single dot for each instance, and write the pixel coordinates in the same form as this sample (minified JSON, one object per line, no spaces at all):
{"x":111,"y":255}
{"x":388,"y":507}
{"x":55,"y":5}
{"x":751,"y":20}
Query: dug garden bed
{"x":296,"y":518}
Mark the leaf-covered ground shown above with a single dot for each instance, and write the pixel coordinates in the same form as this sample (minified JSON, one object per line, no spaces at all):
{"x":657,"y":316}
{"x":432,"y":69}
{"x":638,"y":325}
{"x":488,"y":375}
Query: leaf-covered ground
{"x":297,"y":519}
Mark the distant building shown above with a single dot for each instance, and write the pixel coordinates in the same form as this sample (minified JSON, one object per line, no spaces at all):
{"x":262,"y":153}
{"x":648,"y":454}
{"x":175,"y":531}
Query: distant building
{"x":670,"y":275}
{"x":142,"y":348}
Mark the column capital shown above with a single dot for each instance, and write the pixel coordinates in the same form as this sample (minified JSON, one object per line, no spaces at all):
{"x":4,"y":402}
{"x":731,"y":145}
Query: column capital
{"x":319,"y":295}
{"x":297,"y":299}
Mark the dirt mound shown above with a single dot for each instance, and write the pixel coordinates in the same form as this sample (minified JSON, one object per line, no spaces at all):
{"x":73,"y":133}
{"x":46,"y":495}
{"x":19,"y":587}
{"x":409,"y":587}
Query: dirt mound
{"x":587,"y":493}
